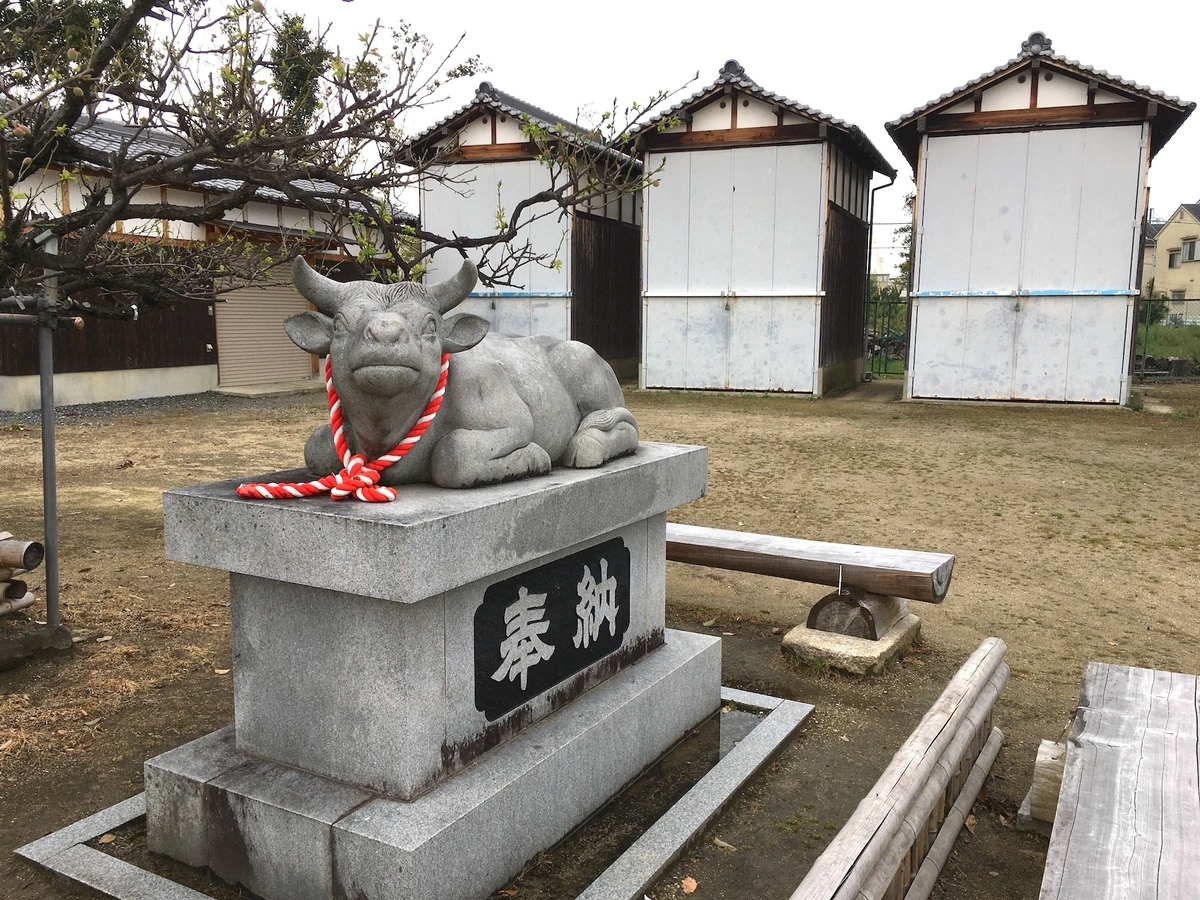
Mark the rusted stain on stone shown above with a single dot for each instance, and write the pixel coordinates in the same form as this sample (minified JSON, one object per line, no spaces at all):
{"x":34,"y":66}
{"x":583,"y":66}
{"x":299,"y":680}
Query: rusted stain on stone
{"x":459,"y":754}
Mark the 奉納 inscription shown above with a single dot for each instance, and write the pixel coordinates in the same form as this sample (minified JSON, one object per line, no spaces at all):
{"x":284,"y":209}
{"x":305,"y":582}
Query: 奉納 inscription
{"x":538,"y":628}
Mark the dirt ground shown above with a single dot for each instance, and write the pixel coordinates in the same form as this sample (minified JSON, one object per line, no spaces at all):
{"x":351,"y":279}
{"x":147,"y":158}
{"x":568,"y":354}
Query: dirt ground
{"x":1076,"y":531}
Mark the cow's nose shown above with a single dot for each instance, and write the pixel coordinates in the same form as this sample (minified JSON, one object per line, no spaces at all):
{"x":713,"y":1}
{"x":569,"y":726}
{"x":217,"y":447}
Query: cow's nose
{"x":385,"y":330}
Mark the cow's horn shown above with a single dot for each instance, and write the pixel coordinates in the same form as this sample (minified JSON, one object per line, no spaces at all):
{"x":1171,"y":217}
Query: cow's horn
{"x":453,"y":291}
{"x":324,"y":293}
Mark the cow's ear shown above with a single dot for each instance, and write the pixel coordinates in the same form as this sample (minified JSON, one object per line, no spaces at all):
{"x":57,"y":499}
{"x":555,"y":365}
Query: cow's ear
{"x":463,"y":332}
{"x":310,"y":331}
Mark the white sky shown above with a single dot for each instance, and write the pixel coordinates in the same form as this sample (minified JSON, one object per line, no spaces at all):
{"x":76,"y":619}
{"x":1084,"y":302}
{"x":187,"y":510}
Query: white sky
{"x":865,"y":63}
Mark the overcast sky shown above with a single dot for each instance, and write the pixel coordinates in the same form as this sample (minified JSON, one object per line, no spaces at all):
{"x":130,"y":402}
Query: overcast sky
{"x":865,"y":63}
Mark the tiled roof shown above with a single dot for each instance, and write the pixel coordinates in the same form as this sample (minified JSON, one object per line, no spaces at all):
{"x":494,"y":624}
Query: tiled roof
{"x":1038,"y":46}
{"x":734,"y":75}
{"x":1033,"y":47}
{"x":111,"y":137}
{"x":1193,"y":208}
{"x":487,"y":96}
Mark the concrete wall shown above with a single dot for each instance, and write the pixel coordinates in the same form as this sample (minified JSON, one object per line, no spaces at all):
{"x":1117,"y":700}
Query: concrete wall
{"x":22,"y":393}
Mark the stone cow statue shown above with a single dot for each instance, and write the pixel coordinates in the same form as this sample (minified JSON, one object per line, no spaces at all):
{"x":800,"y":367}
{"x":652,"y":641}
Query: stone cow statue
{"x":513,"y":406}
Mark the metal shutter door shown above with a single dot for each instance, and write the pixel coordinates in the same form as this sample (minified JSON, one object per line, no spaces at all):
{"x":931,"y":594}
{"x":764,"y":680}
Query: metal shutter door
{"x":252,"y":345}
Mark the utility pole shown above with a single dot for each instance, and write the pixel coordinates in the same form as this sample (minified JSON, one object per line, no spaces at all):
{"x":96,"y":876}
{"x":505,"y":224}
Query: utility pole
{"x":47,"y":321}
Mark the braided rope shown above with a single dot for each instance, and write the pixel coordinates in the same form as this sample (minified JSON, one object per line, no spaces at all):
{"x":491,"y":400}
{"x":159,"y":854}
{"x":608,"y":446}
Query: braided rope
{"x":359,"y":476}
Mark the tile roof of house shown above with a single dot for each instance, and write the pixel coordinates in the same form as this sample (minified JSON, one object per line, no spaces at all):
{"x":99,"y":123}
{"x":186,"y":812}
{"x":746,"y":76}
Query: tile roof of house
{"x":487,"y":96}
{"x":1193,"y":208}
{"x":1152,"y":230}
{"x":1040,"y":46}
{"x":733,"y":74}
{"x":136,"y":141}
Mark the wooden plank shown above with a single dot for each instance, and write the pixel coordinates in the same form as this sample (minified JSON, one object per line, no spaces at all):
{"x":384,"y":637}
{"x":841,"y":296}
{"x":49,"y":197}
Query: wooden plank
{"x":492,"y":152}
{"x":764,"y":134}
{"x":913,"y":574}
{"x":1047,"y":115}
{"x":1129,"y":808}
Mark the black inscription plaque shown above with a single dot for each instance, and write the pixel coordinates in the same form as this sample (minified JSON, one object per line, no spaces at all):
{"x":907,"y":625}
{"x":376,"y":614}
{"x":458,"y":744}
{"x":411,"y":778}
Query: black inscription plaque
{"x":539,"y":628}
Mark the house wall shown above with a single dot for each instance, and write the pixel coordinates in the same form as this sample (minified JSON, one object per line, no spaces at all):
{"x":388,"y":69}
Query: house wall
{"x":1179,"y":285}
{"x":1025,"y":264}
{"x":732,"y":268}
{"x":164,"y":352}
{"x":539,"y":300}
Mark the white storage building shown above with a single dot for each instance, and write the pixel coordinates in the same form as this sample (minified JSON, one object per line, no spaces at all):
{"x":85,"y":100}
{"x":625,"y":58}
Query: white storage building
{"x":755,"y":242}
{"x":480,"y":164}
{"x":1030,"y":206}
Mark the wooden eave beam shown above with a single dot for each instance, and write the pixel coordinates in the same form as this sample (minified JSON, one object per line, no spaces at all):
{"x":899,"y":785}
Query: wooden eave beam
{"x":493,"y":152}
{"x":1045,"y":115}
{"x":766,"y":134}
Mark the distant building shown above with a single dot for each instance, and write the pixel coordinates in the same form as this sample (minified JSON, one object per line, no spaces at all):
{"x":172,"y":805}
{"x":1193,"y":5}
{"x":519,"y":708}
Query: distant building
{"x":235,"y":340}
{"x":479,"y":164}
{"x":756,"y":233}
{"x":1031,"y":194}
{"x":1177,"y":265}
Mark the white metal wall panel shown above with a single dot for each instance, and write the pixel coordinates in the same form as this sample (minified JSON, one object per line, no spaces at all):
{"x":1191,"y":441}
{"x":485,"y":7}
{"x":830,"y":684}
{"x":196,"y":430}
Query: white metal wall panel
{"x":1054,"y":187}
{"x":987,"y":348}
{"x":471,"y":207}
{"x":799,"y":214}
{"x":947,"y":209}
{"x":999,"y":207}
{"x":792,"y":338}
{"x":667,"y":214}
{"x":747,"y":221}
{"x":754,"y":196}
{"x":936,"y":347}
{"x":707,"y":343}
{"x":1109,"y":224}
{"x":551,"y":316}
{"x":1100,"y":331}
{"x":252,"y":346}
{"x":749,"y":345}
{"x":710,"y":222}
{"x":1043,"y":340}
{"x":665,"y":327}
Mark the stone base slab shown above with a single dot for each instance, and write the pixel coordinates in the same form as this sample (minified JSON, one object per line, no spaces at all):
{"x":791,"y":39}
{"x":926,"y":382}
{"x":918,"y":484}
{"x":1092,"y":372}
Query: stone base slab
{"x":855,"y":655}
{"x":286,"y":834}
{"x":627,"y":878}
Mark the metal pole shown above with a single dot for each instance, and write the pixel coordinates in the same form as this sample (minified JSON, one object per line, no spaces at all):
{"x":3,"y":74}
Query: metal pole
{"x":47,"y":304}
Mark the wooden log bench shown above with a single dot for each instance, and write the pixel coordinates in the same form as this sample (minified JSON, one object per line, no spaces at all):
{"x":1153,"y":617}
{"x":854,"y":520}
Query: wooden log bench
{"x":862,"y":626}
{"x":883,"y":571}
{"x":1127,"y":823}
{"x":899,"y":837}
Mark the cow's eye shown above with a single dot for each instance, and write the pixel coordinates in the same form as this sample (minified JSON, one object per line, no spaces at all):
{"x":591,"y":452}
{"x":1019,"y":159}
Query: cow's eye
{"x":340,"y":323}
{"x":429,"y":329}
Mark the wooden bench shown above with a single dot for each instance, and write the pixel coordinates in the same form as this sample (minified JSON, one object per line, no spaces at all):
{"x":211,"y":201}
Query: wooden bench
{"x":912,"y":574}
{"x":1128,"y":818}
{"x":899,"y":837}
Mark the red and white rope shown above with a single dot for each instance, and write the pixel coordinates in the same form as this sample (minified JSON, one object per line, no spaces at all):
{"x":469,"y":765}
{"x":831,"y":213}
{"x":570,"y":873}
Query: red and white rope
{"x":359,"y":476}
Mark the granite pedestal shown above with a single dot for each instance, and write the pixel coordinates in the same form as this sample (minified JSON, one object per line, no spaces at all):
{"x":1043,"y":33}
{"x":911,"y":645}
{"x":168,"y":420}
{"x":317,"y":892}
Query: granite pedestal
{"x":492,"y":666}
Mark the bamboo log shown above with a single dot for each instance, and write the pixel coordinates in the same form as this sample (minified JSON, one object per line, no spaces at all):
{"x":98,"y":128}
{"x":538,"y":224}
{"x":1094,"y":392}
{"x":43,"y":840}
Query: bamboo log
{"x":8,"y":574}
{"x":849,"y":858}
{"x":939,"y":852}
{"x":968,"y":738}
{"x":13,"y":590}
{"x":880,"y":570}
{"x":21,"y":554}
